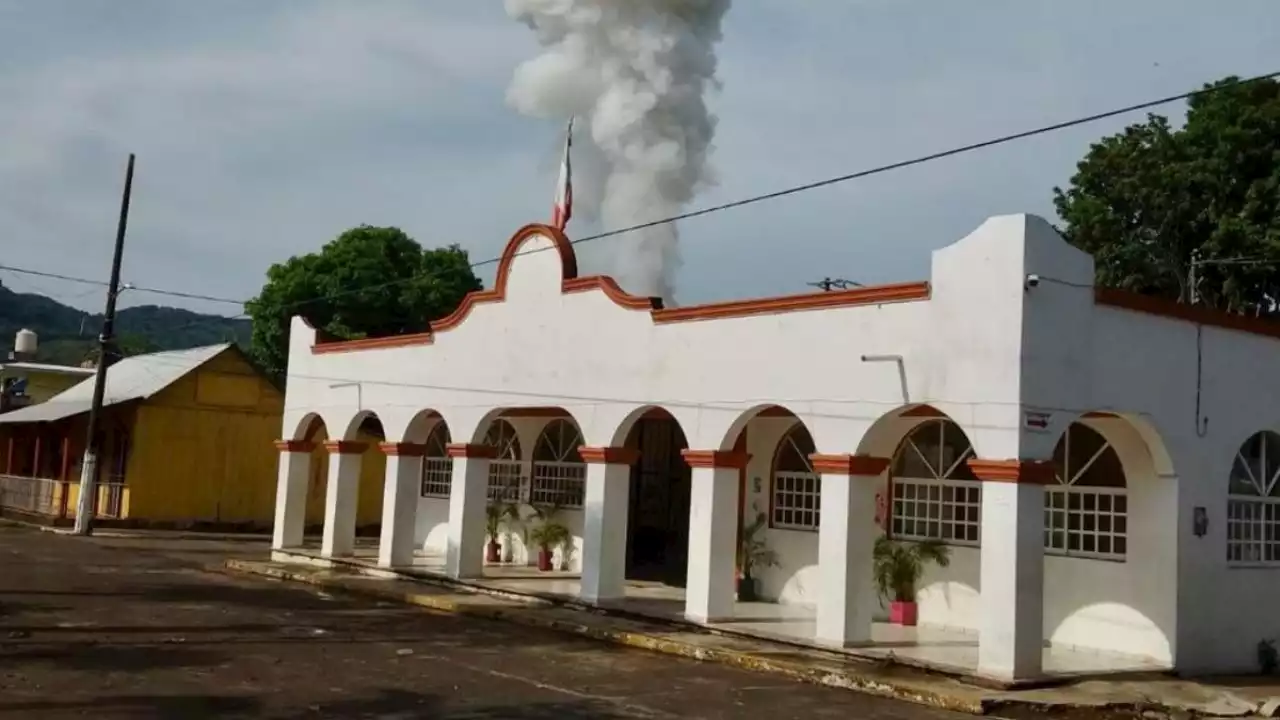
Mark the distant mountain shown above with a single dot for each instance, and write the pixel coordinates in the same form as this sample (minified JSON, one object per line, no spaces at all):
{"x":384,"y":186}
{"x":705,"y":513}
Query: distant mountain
{"x":67,"y":335}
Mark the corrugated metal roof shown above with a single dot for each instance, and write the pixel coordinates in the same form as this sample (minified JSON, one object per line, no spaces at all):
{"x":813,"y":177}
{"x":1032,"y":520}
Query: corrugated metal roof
{"x":45,"y":368}
{"x":133,"y":378}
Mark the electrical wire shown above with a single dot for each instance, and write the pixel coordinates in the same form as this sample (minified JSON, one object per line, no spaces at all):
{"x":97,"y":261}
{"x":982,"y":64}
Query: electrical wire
{"x":793,"y":190}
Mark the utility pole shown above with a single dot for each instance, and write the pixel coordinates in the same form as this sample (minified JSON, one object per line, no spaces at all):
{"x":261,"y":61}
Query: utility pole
{"x":828,"y":284}
{"x":1193,"y":281}
{"x":106,"y":341}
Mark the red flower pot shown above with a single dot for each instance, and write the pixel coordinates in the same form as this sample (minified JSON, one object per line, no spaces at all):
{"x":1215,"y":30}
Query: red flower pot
{"x":544,"y":559}
{"x":903,"y":613}
{"x":494,"y":553}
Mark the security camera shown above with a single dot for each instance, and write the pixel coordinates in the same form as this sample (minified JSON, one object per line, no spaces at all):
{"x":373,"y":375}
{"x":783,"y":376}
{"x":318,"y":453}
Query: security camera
{"x":1033,"y":280}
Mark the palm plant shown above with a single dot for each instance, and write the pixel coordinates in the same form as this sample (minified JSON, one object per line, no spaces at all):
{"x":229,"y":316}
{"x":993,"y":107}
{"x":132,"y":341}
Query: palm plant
{"x":898,"y":566}
{"x":753,"y":554}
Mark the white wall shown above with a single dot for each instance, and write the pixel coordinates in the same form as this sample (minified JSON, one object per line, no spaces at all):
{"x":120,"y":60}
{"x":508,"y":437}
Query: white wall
{"x":983,"y":349}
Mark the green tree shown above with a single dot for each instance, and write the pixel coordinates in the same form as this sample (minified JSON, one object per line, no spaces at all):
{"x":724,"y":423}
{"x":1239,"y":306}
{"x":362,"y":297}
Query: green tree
{"x":1148,"y":200}
{"x":368,"y":282}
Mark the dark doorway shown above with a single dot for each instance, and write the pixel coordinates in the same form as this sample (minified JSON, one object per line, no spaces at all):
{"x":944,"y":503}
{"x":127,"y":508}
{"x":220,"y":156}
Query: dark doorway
{"x":658,"y":515}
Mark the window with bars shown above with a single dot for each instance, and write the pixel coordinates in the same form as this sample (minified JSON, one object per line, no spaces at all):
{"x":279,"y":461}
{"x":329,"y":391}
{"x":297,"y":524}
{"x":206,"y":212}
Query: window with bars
{"x":506,"y":471}
{"x":558,"y":484}
{"x":437,"y":466}
{"x":1086,"y":512}
{"x":935,"y":496}
{"x":797,"y":489}
{"x":1253,"y":503}
{"x":506,"y":481}
{"x":559,"y":475}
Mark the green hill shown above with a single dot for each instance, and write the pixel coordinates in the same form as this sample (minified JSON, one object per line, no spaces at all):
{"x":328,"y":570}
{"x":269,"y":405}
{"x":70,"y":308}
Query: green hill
{"x":68,"y":335}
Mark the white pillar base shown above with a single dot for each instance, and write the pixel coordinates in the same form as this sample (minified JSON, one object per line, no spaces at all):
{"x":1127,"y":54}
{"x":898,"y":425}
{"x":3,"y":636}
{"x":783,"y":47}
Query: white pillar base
{"x":342,"y":495}
{"x":464,"y":556}
{"x":291,"y":498}
{"x":604,"y":533}
{"x":1011,"y":624}
{"x":713,"y":543}
{"x":399,"y":510}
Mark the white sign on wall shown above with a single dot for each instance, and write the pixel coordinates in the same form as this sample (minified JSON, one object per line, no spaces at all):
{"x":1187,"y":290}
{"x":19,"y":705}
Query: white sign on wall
{"x":1036,"y":420}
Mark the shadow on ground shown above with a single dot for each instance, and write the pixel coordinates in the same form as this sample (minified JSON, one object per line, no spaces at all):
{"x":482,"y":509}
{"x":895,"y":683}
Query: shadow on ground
{"x":398,"y":704}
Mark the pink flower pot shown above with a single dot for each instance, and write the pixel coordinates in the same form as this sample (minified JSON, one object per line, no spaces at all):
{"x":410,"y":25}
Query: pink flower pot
{"x":903,"y":613}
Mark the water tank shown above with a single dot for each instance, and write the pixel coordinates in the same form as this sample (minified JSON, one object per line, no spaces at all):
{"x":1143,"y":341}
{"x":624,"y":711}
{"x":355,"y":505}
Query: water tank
{"x":26,"y":342}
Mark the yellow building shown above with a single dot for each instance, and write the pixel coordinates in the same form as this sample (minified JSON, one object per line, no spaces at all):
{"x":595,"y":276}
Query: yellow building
{"x":187,"y":441}
{"x":31,"y":383}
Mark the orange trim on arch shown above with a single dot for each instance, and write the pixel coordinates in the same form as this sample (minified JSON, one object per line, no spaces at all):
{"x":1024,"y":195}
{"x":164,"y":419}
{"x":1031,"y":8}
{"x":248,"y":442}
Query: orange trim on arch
{"x":571,"y":283}
{"x":924,"y":411}
{"x":715,"y":459}
{"x":853,"y":465}
{"x":1034,"y":472}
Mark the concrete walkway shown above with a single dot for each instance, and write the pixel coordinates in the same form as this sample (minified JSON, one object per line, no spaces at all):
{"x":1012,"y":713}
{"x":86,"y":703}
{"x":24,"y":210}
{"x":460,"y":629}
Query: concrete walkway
{"x":1151,"y":696}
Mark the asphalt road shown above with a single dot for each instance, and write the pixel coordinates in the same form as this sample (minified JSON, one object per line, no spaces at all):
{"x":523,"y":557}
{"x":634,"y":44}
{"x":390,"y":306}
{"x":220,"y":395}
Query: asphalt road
{"x":128,"y":628}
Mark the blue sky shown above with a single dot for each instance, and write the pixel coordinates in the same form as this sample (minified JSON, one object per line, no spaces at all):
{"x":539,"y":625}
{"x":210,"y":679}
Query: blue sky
{"x":263,"y":129}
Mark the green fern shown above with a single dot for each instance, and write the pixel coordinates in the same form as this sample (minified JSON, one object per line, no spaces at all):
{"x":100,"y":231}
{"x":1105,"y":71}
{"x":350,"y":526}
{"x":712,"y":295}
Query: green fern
{"x":898,"y":566}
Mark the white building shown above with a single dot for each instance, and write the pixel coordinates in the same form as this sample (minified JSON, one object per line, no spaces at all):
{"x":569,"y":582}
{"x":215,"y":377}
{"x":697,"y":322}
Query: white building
{"x":1103,"y":465}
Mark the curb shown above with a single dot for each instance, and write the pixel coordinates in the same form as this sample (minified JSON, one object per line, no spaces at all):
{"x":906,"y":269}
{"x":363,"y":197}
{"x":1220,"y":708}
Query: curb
{"x":642,"y":641}
{"x":1003,"y":706}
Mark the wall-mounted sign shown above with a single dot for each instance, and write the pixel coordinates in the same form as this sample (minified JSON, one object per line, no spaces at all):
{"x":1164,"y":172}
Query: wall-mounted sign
{"x":1036,"y":420}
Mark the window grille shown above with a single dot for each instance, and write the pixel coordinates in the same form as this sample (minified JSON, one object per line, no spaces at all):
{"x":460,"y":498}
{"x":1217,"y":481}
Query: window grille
{"x":797,"y":489}
{"x":1086,"y":512}
{"x":935,"y":496}
{"x":1253,"y":503}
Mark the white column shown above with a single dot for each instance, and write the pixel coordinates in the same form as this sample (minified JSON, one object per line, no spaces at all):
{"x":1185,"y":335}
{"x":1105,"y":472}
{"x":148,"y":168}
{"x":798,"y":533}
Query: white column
{"x":342,"y":495}
{"x":291,"y":494}
{"x":604,"y":523}
{"x":399,"y":503}
{"x":713,"y":535}
{"x":847,"y":535}
{"x":464,"y":556}
{"x":1011,"y":622}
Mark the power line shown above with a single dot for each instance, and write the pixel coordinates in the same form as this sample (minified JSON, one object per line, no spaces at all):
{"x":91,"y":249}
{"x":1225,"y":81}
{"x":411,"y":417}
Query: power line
{"x":793,"y":190}
{"x":126,"y":286}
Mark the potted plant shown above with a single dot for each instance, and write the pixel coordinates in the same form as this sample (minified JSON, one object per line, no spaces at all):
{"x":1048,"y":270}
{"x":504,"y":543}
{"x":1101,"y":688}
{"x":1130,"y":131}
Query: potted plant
{"x":492,"y":528}
{"x":898,"y":567}
{"x":548,"y":536}
{"x":753,"y":554}
{"x":537,"y":515}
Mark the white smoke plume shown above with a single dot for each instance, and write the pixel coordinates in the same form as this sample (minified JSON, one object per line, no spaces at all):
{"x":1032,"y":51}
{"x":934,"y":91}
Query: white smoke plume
{"x":635,"y":73}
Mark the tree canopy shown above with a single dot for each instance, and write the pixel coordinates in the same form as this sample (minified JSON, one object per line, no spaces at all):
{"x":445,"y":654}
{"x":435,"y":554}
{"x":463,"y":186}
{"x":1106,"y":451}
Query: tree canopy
{"x":368,"y":282}
{"x":1148,"y":200}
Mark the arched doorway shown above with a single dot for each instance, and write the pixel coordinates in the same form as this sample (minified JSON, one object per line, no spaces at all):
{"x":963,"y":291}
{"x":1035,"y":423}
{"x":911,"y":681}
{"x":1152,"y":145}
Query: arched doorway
{"x":658,"y":512}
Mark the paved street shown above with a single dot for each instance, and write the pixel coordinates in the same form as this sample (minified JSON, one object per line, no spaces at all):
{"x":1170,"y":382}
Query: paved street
{"x":127,"y":628}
